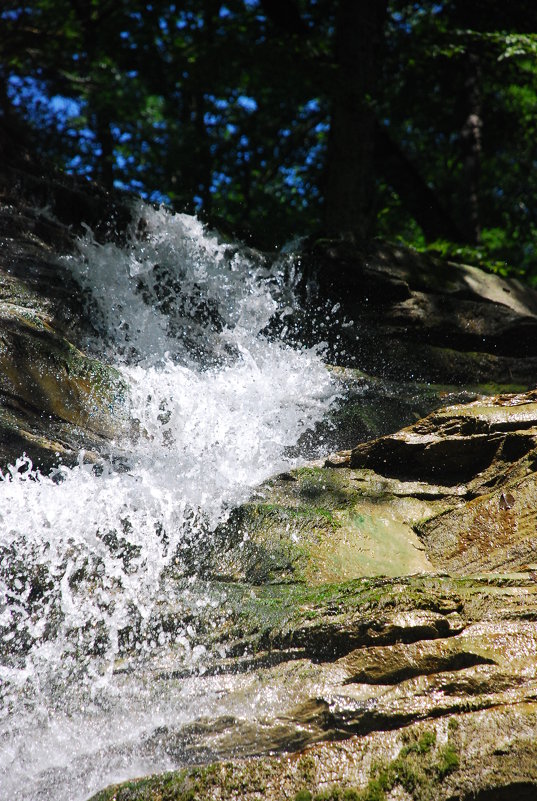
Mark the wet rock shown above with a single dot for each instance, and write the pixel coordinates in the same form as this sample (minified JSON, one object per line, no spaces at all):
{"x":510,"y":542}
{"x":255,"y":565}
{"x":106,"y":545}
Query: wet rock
{"x":440,"y":711}
{"x":488,"y":533}
{"x":457,"y":444}
{"x":488,"y":450}
{"x":416,"y":687}
{"x":455,"y":491}
{"x":320,"y":527}
{"x":412,"y":316}
{"x":426,"y":762}
{"x":54,"y":399}
{"x":371,"y":407}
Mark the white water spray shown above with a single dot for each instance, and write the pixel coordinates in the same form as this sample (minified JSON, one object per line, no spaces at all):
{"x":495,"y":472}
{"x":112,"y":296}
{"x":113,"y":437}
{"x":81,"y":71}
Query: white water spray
{"x":217,"y":404}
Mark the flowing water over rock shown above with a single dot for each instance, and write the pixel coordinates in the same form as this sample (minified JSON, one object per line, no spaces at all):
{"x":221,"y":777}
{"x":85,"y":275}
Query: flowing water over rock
{"x":217,"y":405}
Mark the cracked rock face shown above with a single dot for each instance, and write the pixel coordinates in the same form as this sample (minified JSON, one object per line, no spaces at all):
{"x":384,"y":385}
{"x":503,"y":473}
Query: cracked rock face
{"x":378,"y":680}
{"x":416,"y":686}
{"x":488,"y":447}
{"x":378,"y":608}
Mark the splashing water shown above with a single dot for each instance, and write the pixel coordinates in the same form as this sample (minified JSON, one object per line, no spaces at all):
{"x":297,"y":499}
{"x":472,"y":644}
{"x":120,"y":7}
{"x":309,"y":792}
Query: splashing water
{"x":83,"y":551}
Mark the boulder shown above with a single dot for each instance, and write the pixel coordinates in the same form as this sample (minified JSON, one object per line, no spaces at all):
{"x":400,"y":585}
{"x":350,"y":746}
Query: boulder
{"x":419,"y":688}
{"x":408,"y":315}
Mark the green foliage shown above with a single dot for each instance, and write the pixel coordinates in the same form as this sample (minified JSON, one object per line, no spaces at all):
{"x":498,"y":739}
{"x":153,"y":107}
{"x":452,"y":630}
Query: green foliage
{"x":486,"y":256}
{"x":169,"y":101}
{"x":435,"y":56}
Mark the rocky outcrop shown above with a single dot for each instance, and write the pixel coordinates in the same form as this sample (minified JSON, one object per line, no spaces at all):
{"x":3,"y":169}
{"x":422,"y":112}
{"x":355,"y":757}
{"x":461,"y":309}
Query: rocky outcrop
{"x":433,"y":762}
{"x":384,"y":598}
{"x":419,"y":688}
{"x":488,"y":449}
{"x":458,"y":443}
{"x":372,"y":406}
{"x":408,"y":316}
{"x":388,"y":687}
{"x":456,"y":491}
{"x":54,"y":398}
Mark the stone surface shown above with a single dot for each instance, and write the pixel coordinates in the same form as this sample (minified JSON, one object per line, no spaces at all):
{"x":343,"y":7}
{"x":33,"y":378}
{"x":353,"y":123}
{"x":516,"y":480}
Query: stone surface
{"x":433,"y":762}
{"x":372,"y":407}
{"x":407,"y":315}
{"x":54,"y":398}
{"x":456,"y":491}
{"x":488,"y":449}
{"x":375,"y":680}
{"x":376,"y":608}
{"x":458,"y":443}
{"x":416,"y":686}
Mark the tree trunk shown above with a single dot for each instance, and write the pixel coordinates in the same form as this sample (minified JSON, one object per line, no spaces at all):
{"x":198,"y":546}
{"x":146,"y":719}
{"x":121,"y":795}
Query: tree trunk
{"x":415,"y":193}
{"x":350,"y":187}
{"x":472,"y":149}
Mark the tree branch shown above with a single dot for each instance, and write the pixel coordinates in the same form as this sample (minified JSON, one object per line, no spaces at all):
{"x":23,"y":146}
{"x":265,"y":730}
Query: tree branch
{"x":417,"y":196}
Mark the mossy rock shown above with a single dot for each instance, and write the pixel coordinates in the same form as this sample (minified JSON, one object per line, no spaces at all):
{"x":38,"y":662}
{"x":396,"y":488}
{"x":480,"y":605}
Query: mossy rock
{"x":474,"y":756}
{"x":316,"y":525}
{"x":425,"y":498}
{"x":54,"y":399}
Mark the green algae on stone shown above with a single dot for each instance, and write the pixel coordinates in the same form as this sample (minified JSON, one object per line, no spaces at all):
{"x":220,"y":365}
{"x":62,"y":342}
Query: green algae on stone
{"x":317,"y":525}
{"x":387,"y":654}
{"x":330,"y":621}
{"x":335,"y":618}
{"x":54,"y":399}
{"x":473,"y":755}
{"x":372,"y":407}
{"x":418,"y":769}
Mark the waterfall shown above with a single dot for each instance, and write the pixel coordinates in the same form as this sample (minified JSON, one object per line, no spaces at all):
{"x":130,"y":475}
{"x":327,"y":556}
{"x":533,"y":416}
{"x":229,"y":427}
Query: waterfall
{"x":217,"y":402}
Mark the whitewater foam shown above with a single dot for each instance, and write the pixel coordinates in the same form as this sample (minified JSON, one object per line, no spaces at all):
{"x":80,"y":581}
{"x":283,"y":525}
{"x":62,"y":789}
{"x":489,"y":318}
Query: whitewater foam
{"x":218,"y":403}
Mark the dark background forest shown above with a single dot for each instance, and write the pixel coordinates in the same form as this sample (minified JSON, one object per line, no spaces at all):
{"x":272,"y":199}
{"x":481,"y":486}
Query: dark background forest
{"x":274,"y":119}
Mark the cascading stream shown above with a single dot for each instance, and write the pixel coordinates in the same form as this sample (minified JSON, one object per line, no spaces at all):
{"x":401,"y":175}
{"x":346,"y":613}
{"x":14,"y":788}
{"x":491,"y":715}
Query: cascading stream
{"x":217,"y":404}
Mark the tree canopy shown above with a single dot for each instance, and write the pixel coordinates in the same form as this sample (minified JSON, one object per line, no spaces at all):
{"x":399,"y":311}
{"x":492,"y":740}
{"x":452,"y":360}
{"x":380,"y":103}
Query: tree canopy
{"x":278,"y":118}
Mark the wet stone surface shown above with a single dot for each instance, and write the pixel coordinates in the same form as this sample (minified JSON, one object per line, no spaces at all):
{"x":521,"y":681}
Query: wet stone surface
{"x":362,"y":627}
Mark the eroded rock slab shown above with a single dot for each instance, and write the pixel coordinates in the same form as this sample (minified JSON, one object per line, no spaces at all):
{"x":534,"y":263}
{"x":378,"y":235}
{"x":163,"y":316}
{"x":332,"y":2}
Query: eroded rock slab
{"x":472,"y":756}
{"x":458,"y":443}
{"x":405,"y":687}
{"x":456,"y":491}
{"x":488,"y":450}
{"x":54,"y":398}
{"x":375,"y":681}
